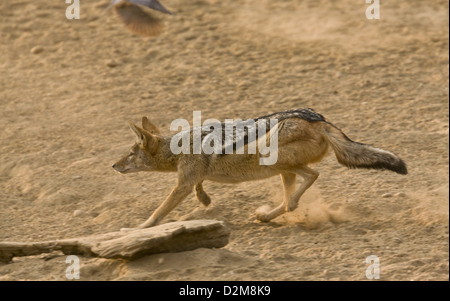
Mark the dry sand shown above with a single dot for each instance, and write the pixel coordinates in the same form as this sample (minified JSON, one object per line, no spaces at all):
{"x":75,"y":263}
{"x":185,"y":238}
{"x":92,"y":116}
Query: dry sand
{"x":69,"y":87}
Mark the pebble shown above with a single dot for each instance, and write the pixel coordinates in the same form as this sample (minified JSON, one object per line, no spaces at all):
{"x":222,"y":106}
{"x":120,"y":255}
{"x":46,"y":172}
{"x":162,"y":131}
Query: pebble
{"x":111,"y":63}
{"x":78,"y":212}
{"x":161,"y":260}
{"x":386,"y":195}
{"x":37,"y":49}
{"x":398,"y":240}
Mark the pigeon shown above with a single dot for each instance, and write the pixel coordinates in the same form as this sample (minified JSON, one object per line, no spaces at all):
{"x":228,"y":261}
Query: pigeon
{"x":132,"y":14}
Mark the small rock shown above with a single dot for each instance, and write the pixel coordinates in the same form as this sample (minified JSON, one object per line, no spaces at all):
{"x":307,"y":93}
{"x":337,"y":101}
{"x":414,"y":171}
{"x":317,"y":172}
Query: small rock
{"x":78,"y":212}
{"x":387,"y":195}
{"x":400,"y":194}
{"x":398,"y":240}
{"x":37,"y":49}
{"x":161,"y":260}
{"x":111,"y":63}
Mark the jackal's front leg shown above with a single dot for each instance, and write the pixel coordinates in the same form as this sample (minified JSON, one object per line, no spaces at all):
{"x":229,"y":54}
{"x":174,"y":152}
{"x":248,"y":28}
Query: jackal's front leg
{"x":201,"y":195}
{"x":179,"y":193}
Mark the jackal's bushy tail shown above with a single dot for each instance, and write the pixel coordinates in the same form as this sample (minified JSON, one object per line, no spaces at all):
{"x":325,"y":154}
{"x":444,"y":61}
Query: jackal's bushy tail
{"x":357,"y":155}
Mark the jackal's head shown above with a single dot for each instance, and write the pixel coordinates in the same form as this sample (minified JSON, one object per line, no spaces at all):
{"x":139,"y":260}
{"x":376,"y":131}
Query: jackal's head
{"x":142,"y":154}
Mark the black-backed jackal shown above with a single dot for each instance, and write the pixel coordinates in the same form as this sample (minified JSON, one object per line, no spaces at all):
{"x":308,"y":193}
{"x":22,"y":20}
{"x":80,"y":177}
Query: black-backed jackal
{"x":304,"y":137}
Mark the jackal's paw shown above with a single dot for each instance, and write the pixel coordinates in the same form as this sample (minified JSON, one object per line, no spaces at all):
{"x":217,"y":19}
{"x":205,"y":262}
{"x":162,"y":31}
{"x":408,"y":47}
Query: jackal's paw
{"x":262,"y":213}
{"x":205,"y":200}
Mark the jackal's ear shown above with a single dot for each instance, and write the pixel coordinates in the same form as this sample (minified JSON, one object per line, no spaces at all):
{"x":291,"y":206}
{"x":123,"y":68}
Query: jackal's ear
{"x":138,"y":132}
{"x":147,"y":125}
{"x":145,"y":139}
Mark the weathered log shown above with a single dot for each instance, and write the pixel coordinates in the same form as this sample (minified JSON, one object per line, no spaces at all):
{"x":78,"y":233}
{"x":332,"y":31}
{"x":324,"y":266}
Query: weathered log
{"x":166,"y":238}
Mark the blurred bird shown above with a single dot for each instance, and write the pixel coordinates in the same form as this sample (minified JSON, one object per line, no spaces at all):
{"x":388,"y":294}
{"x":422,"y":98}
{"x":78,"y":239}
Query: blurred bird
{"x":132,"y":14}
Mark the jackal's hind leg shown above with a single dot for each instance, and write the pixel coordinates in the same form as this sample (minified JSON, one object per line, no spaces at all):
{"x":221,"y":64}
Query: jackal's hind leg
{"x":310,"y":176}
{"x":264,"y":213}
{"x":290,"y":201}
{"x":201,"y":195}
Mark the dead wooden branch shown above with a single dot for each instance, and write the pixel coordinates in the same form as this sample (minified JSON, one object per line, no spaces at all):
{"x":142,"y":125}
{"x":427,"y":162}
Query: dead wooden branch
{"x":170,"y":237}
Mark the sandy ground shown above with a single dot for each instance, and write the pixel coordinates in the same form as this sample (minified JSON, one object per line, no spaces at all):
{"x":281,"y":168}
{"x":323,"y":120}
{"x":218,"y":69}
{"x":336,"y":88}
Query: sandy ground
{"x":65,"y":106}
